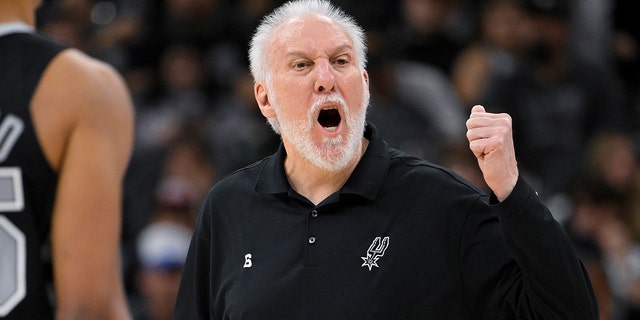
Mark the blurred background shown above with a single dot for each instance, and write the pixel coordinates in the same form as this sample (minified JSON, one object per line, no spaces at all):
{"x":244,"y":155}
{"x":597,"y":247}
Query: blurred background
{"x":567,"y":71}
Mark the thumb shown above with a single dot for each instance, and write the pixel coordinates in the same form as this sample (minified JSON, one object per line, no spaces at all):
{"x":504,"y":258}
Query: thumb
{"x":478,"y":108}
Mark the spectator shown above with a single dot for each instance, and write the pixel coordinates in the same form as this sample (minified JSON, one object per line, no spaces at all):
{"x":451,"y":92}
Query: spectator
{"x":612,"y":158}
{"x":425,"y":33}
{"x":505,"y":34}
{"x":557,"y":103}
{"x":599,"y":226}
{"x":162,"y":249}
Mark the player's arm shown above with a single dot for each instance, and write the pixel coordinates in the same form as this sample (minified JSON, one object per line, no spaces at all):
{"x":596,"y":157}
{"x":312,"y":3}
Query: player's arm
{"x":97,"y":136}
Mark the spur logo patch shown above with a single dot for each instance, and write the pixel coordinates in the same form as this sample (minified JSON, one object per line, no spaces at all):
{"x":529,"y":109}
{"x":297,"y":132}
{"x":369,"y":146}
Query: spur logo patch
{"x":375,"y":252}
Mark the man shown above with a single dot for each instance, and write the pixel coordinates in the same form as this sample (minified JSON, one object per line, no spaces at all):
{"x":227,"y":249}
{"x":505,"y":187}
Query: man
{"x":66,"y":134}
{"x":162,"y":248}
{"x":338,"y":225}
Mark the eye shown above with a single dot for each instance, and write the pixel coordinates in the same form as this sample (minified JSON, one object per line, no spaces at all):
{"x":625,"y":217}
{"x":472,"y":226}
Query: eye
{"x":342,"y":60}
{"x":301,"y":64}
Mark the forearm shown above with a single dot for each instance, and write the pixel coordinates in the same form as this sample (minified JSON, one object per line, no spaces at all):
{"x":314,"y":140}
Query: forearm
{"x":553,"y":278}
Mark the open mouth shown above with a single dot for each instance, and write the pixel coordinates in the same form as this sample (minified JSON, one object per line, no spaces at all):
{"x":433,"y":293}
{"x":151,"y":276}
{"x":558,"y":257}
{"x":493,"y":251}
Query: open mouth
{"x":329,"y":118}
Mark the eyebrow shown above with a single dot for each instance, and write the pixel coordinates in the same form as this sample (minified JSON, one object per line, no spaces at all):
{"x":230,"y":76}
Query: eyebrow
{"x":338,"y":50}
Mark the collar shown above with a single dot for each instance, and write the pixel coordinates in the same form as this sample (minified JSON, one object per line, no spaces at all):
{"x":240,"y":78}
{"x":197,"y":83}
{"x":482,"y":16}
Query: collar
{"x":366,"y":180}
{"x":15,"y":27}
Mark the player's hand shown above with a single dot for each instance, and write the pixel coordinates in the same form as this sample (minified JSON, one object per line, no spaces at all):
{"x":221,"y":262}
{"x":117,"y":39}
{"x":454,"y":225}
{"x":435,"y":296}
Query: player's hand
{"x":491,"y":140}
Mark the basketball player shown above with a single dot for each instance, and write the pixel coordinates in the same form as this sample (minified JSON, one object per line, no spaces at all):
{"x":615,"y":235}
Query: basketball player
{"x":66,"y":134}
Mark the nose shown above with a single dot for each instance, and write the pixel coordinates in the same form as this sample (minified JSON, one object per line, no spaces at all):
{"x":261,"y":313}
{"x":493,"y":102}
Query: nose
{"x":325,"y":81}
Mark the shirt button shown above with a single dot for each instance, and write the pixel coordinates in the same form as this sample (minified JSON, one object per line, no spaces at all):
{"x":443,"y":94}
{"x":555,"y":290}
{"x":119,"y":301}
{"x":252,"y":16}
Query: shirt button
{"x":314,"y":213}
{"x":312,"y":240}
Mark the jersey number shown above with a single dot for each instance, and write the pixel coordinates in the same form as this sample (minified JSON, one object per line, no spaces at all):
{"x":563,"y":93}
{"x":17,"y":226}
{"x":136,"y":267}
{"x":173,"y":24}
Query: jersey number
{"x":13,"y":264}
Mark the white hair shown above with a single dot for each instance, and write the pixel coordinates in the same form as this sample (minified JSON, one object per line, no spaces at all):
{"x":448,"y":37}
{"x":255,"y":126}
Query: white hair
{"x":264,"y":35}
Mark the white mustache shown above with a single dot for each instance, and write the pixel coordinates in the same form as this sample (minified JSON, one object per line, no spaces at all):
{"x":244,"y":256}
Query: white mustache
{"x":330,"y":99}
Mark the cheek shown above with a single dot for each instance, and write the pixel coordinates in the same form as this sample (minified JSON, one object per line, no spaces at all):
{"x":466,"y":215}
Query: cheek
{"x":353,"y":91}
{"x":293,"y":99}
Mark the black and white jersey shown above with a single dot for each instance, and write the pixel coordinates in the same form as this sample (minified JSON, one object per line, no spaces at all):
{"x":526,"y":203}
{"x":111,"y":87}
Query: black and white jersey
{"x":27,"y":182}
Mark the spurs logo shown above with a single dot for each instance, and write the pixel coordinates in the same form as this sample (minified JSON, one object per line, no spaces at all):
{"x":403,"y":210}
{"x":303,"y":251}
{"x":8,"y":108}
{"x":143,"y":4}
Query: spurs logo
{"x":375,"y":252}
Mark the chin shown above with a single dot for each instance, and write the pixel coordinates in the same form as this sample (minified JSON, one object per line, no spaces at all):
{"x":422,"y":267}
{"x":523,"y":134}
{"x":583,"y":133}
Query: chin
{"x":334,"y":154}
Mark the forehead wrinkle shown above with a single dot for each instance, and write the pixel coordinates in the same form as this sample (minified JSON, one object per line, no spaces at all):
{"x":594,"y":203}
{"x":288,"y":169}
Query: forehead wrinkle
{"x":294,"y":38}
{"x":307,"y":27}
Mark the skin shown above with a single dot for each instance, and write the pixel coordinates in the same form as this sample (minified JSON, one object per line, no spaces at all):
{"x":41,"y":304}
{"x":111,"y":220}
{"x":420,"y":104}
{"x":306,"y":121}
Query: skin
{"x":311,"y":56}
{"x":491,"y":141}
{"x":160,"y":289}
{"x":306,"y":64}
{"x":88,"y":142}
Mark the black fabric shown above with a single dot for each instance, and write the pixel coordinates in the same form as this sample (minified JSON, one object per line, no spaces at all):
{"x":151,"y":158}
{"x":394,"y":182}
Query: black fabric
{"x":449,"y":254}
{"x":23,"y":59}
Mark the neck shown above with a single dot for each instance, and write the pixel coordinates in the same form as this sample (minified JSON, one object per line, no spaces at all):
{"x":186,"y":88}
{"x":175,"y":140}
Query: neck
{"x":314,"y":183}
{"x":18,"y":11}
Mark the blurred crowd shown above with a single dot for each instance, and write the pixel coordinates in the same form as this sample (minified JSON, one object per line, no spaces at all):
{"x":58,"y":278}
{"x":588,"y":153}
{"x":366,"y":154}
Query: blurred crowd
{"x":568,"y":71}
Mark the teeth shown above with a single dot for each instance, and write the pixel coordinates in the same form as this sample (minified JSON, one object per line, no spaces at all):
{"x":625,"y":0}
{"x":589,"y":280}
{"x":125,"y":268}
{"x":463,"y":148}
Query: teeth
{"x":331,"y":129}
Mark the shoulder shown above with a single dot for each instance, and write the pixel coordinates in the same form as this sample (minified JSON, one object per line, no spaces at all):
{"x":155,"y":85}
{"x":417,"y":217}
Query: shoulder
{"x":97,"y":78}
{"x":242,"y":181}
{"x":81,"y":96}
{"x":432,"y":177}
{"x":232,"y":197}
{"x":85,"y":88}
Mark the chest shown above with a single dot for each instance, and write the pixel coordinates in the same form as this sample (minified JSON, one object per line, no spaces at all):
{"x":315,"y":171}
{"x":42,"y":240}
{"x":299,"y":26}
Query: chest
{"x":342,"y":260}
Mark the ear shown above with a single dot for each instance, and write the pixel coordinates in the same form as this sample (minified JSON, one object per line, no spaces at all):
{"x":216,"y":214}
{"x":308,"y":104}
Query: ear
{"x":262,"y":97}
{"x":365,"y":75}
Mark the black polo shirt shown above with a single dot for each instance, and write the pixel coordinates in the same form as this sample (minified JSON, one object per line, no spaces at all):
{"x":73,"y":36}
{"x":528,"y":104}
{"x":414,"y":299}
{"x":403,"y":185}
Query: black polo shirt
{"x":403,"y":239}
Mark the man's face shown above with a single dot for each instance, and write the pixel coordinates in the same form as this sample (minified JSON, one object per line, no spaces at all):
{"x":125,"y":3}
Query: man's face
{"x":317,"y":93}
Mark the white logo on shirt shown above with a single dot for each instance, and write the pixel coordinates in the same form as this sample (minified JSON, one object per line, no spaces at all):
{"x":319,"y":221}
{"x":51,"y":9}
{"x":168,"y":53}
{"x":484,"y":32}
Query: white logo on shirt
{"x":247,"y":261}
{"x":375,"y":252}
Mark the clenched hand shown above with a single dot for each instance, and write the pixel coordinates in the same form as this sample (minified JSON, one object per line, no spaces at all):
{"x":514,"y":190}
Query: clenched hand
{"x":491,"y":140}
